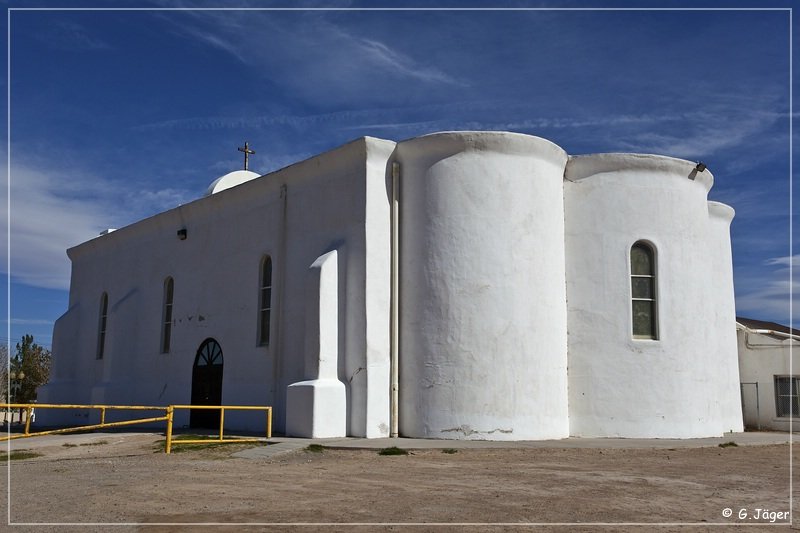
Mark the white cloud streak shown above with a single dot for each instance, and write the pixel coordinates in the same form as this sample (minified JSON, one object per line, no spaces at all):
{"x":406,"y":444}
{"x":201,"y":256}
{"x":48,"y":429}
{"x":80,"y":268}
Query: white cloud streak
{"x":770,"y":294}
{"x":70,"y":35}
{"x":317,"y":60}
{"x":30,"y":322}
{"x":789,"y":260}
{"x":52,"y":210}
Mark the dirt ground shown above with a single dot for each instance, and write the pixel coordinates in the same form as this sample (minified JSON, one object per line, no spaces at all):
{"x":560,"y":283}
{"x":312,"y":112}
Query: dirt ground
{"x":124,"y":479}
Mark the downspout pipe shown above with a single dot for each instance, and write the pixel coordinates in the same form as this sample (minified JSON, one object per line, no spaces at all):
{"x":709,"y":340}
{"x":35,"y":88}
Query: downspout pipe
{"x":395,"y":294}
{"x":748,"y":331}
{"x":777,"y":333}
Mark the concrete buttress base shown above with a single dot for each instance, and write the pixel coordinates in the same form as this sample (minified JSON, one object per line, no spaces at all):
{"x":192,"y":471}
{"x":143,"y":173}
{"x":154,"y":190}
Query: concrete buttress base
{"x":316,"y":409}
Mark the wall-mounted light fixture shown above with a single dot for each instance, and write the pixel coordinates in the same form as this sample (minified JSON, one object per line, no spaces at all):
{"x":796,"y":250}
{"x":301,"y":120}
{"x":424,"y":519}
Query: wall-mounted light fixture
{"x":182,"y":234}
{"x":700,"y":166}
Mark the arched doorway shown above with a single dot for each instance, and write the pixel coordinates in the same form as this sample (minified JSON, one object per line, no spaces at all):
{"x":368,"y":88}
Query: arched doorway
{"x":206,"y":384}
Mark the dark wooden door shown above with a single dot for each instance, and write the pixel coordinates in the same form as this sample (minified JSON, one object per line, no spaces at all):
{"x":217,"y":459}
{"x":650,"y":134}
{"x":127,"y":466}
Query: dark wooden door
{"x":206,"y":385}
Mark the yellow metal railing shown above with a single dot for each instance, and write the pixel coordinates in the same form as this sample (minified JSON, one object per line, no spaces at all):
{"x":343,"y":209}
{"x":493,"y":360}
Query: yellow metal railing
{"x":168,"y":418}
{"x":29,"y":407}
{"x":221,"y":409}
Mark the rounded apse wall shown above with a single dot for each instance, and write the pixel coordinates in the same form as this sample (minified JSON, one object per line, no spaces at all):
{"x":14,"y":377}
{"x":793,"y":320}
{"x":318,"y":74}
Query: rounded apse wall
{"x":727,"y":364}
{"x":482,"y":290}
{"x":621,"y":384}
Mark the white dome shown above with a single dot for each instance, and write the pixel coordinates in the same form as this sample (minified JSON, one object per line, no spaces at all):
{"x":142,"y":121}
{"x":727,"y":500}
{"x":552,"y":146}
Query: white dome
{"x":231,"y":179}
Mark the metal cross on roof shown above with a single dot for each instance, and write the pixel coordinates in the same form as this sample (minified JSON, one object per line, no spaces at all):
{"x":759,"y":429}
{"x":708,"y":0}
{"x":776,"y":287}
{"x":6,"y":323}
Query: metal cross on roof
{"x":247,"y":151}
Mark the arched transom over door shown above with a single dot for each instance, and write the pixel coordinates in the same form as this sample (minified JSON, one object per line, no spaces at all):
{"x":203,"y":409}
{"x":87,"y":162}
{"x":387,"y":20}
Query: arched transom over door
{"x":206,"y":384}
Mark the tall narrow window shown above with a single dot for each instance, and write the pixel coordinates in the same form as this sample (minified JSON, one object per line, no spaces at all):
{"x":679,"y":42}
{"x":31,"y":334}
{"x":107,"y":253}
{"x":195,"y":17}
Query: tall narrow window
{"x":101,"y":330}
{"x":265,"y":301}
{"x":166,"y":322}
{"x":643,"y":291}
{"x":786,"y":397}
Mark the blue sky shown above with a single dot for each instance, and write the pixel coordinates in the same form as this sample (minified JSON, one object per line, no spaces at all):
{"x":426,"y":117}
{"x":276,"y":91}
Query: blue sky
{"x":119,"y":115}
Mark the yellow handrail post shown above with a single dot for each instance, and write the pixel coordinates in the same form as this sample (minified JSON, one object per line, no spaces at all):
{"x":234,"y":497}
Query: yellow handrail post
{"x":168,"y":445}
{"x":269,"y":423}
{"x":102,"y":415}
{"x":28,"y":419}
{"x":221,"y":422}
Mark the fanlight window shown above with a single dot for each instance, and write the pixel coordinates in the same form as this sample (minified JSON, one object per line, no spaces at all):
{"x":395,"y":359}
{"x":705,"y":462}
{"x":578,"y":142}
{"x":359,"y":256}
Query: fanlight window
{"x":209,"y":354}
{"x":643,"y":291}
{"x":265,"y":301}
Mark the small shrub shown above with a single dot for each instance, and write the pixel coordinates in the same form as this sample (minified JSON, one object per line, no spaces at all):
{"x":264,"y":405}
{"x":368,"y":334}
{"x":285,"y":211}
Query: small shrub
{"x":213,"y":443}
{"x":315,"y":448}
{"x":18,"y":455}
{"x":728,"y":444}
{"x":450,"y":450}
{"x":69,"y":445}
{"x":161,"y":445}
{"x":394,"y":450}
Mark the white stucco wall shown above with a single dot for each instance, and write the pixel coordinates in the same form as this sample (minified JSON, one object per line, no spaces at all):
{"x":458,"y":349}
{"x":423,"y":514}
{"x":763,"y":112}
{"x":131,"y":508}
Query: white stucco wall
{"x":619,"y":385}
{"x":294,"y":215}
{"x":761,"y":359}
{"x":726,"y":366}
{"x":482,"y":307}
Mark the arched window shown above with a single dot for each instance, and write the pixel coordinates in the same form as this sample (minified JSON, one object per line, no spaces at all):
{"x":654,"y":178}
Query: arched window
{"x":166,"y":320}
{"x":265,"y":300}
{"x":643,"y":291}
{"x":101,"y":330}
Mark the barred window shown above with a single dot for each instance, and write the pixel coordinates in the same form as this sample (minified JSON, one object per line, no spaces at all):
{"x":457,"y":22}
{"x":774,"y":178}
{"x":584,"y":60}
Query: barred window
{"x":786,"y":400}
{"x":265,"y":300}
{"x":643,"y":292}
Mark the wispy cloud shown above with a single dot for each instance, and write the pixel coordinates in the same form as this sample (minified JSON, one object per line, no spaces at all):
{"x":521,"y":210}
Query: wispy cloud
{"x":315,"y":58}
{"x":443,"y":115}
{"x":29,"y":321}
{"x":769,"y":293}
{"x":390,"y":60}
{"x":52,"y":210}
{"x":69,"y":35}
{"x":789,"y":260}
{"x":726,"y":121}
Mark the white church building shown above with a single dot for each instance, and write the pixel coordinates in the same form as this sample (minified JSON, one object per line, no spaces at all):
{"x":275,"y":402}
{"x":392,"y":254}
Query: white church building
{"x":458,"y":285}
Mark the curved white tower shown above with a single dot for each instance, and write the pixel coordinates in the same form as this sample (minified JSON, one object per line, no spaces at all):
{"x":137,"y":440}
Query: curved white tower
{"x":483,"y":351}
{"x":726,"y":366}
{"x":640,"y":381}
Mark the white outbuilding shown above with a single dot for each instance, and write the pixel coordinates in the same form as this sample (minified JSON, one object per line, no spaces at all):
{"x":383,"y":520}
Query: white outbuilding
{"x":769,"y":363}
{"x":458,"y":285}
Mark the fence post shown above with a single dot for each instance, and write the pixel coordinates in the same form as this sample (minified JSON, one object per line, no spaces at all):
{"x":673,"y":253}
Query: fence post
{"x":27,"y":419}
{"x":168,"y":445}
{"x":269,"y":422}
{"x":221,"y":422}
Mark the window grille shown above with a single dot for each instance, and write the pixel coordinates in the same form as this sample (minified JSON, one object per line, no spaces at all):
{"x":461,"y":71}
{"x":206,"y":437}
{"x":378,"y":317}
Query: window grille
{"x":786,"y":399}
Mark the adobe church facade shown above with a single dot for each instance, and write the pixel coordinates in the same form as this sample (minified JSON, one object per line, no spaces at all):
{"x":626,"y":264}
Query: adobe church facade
{"x":459,"y":285}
